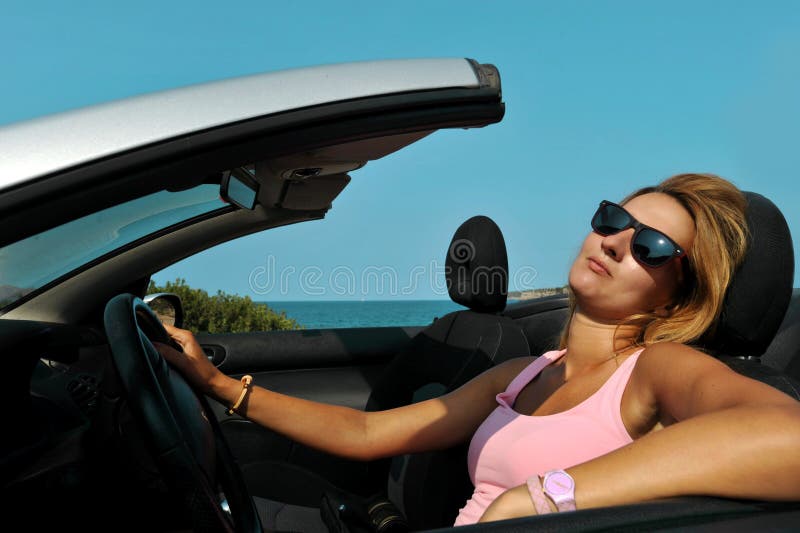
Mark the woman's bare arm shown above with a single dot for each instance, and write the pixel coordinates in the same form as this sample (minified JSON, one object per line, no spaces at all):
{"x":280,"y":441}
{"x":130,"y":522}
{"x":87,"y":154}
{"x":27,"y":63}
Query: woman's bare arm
{"x":732,"y":437}
{"x":431,"y":424}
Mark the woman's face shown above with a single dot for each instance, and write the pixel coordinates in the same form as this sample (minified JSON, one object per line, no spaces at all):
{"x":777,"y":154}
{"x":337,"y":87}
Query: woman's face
{"x":609,"y":284}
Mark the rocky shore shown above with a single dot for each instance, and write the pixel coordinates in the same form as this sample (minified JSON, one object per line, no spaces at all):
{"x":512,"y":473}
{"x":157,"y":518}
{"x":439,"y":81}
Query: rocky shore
{"x":536,"y":293}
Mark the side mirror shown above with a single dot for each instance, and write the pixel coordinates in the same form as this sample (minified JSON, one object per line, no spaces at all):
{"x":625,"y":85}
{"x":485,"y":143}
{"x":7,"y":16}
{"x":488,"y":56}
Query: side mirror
{"x":238,"y":187}
{"x":167,"y":307}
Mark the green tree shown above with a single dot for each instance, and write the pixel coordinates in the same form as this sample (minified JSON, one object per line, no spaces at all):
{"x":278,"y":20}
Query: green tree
{"x":222,"y":312}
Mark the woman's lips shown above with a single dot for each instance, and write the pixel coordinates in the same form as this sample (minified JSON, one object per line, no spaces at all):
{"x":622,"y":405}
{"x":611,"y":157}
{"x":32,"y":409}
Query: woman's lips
{"x":597,"y":266}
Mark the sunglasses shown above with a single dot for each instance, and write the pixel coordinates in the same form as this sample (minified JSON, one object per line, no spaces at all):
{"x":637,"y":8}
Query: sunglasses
{"x":649,"y":246}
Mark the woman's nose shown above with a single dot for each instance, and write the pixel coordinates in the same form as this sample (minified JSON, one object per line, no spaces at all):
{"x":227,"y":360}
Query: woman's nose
{"x":616,"y":245}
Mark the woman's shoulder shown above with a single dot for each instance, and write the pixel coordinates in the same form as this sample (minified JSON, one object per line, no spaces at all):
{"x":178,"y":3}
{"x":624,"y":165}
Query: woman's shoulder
{"x":673,"y":353}
{"x":668,"y":361}
{"x":661,"y":370}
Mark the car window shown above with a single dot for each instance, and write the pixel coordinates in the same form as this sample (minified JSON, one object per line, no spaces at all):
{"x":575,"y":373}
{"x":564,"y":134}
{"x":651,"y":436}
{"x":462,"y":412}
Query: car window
{"x":251,"y":284}
{"x":33,"y":262}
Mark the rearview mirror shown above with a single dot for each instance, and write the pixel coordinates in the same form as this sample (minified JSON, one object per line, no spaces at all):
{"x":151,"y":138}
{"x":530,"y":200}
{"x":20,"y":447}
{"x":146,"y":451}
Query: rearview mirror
{"x":239,"y":188}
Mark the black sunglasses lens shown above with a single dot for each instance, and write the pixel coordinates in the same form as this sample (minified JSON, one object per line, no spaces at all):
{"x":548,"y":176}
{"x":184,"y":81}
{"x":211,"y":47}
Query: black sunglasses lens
{"x":610,"y":219}
{"x":652,"y":247}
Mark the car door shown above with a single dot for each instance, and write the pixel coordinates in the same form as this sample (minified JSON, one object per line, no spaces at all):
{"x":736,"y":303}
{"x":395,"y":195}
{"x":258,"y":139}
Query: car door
{"x":300,"y":134}
{"x":336,"y":366}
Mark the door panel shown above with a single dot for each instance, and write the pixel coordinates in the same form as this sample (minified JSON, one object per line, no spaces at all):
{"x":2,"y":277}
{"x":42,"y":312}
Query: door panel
{"x":336,"y":366}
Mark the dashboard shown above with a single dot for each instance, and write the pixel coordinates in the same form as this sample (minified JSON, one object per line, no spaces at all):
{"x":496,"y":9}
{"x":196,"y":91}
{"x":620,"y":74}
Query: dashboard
{"x":70,"y":445}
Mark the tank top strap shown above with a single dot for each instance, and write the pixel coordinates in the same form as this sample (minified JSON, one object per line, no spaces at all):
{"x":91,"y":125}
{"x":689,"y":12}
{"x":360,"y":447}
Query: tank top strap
{"x":508,"y":396}
{"x":614,"y":387}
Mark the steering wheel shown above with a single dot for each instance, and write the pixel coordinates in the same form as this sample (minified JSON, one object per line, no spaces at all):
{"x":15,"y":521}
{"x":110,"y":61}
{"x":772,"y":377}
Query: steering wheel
{"x":180,"y":430}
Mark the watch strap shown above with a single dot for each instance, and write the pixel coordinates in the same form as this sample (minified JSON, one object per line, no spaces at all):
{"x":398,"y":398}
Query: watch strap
{"x":540,"y":502}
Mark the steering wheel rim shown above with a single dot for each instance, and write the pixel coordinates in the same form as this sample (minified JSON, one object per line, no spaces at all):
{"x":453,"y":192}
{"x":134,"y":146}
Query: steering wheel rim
{"x":180,"y":430}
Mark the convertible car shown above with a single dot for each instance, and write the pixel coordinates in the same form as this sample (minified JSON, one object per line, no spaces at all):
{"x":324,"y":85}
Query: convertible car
{"x":101,"y":434}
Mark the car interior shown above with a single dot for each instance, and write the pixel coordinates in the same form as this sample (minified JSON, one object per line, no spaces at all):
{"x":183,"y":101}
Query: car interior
{"x":105,"y":435}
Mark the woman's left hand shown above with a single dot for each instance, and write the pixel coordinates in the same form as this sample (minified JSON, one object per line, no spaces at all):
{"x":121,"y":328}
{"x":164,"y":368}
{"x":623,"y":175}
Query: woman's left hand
{"x":192,"y":361}
{"x":514,"y":503}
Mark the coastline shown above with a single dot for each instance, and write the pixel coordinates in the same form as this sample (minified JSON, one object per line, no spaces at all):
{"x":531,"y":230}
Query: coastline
{"x":536,"y":293}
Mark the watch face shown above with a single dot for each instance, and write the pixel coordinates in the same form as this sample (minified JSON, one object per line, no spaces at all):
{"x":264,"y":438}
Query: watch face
{"x":558,"y":483}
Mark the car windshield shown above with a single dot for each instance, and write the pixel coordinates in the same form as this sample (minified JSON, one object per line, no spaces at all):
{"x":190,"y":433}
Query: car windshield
{"x":33,"y":262}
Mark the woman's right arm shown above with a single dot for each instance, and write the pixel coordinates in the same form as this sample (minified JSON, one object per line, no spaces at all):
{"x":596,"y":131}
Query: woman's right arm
{"x":432,"y":424}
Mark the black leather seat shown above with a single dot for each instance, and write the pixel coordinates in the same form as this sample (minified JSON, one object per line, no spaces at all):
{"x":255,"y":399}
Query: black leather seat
{"x":461,"y":344}
{"x":429,"y":488}
{"x":757,"y":299}
{"x":783,"y":353}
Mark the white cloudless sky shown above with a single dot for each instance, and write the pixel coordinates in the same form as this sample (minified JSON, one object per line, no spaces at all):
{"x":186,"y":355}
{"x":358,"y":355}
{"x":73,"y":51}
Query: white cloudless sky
{"x":602,"y":97}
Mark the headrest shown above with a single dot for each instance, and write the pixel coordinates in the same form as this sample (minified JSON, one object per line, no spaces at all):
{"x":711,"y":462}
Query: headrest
{"x":759,"y":293}
{"x":476,"y":267}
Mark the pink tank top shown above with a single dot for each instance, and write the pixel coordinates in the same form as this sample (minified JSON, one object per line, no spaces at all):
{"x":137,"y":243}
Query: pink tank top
{"x":509,"y":447}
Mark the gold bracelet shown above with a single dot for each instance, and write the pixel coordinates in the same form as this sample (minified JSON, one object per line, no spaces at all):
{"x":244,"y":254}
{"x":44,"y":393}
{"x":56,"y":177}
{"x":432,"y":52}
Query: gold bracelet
{"x":246,"y":382}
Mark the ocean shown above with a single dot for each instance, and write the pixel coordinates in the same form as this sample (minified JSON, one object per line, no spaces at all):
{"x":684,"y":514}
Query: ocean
{"x":368,"y":313}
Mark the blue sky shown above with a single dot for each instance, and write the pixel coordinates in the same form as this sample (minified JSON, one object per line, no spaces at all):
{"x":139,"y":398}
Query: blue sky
{"x":602,"y":97}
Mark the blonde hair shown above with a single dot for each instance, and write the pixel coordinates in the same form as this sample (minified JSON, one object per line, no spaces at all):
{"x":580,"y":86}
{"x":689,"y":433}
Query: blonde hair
{"x":718,"y":210}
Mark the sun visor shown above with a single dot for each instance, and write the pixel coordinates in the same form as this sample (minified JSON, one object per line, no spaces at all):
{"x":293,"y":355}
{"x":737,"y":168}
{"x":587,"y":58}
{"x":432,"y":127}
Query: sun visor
{"x":313,"y":193}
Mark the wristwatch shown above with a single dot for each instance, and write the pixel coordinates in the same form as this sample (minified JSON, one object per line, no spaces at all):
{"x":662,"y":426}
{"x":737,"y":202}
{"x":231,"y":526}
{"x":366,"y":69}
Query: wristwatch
{"x":560,"y":487}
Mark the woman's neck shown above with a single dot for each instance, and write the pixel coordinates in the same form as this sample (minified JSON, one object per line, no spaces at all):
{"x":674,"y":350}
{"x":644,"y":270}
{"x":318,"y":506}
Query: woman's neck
{"x":591,"y":343}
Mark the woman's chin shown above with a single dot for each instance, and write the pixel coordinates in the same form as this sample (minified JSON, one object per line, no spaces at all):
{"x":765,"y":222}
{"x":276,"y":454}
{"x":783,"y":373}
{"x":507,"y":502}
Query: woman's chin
{"x":585,"y":284}
{"x":601,"y":307}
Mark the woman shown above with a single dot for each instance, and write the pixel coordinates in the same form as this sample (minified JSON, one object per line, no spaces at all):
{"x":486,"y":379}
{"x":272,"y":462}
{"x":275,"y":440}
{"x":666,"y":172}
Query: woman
{"x":625,"y":411}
